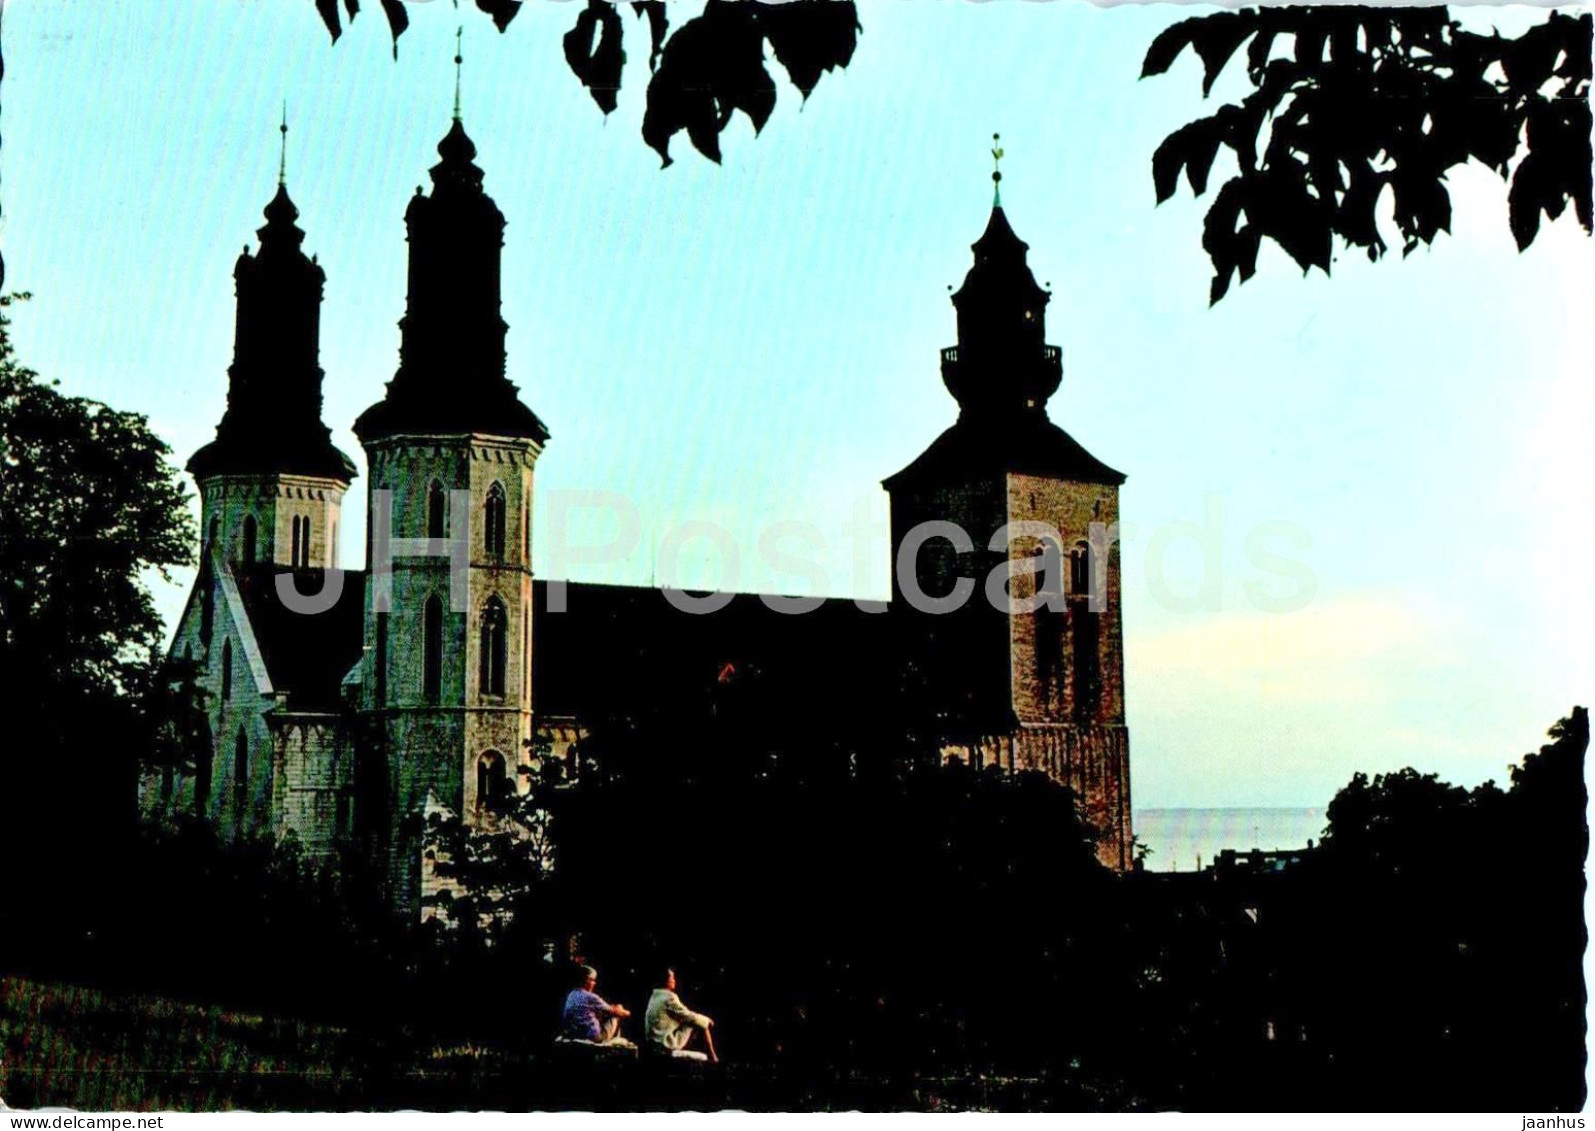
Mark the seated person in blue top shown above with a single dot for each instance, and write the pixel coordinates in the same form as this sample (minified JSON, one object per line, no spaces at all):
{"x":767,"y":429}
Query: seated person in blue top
{"x":590,"y":1018}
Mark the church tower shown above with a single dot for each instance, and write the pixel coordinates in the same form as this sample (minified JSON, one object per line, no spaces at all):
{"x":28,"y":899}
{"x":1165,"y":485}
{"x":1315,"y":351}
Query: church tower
{"x":1035,"y":681}
{"x":271,"y":487}
{"x":446,"y":681}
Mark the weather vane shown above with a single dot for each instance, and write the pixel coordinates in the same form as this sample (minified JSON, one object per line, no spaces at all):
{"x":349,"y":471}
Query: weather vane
{"x":459,"y":58}
{"x":282,"y":160}
{"x":996,"y":169}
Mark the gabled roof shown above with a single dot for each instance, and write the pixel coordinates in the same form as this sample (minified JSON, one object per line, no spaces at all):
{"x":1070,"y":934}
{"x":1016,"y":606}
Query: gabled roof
{"x":306,"y":654}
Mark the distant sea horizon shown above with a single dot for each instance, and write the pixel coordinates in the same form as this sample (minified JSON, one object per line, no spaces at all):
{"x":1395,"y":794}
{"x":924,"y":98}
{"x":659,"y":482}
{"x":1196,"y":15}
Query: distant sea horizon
{"x":1184,"y":840}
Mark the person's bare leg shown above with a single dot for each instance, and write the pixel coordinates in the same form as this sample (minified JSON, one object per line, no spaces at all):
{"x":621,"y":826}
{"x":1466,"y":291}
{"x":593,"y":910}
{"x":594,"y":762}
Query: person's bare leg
{"x":708,"y":1039}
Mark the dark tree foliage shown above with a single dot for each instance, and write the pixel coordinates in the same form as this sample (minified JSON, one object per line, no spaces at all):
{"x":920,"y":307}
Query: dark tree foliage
{"x":705,"y":71}
{"x":882,"y":934}
{"x":832,"y":922}
{"x":1350,"y":103}
{"x":1433,"y":949}
{"x":90,"y":507}
{"x":174,"y":729}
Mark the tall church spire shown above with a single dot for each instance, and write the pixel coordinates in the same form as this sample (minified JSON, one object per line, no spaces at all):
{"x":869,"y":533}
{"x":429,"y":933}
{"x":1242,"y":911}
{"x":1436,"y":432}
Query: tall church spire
{"x":459,"y":62}
{"x":1002,"y":364}
{"x":273,"y":420}
{"x":451,"y":376}
{"x":1002,"y":372}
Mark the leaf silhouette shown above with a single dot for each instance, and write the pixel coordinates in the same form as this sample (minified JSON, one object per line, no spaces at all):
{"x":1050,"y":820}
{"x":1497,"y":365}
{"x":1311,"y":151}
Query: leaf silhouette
{"x":501,"y":11}
{"x":712,"y":67}
{"x":398,"y":21}
{"x":1168,"y":45}
{"x":1192,"y":148}
{"x":658,"y":25}
{"x":597,"y":64}
{"x":809,"y":37}
{"x":328,"y":10}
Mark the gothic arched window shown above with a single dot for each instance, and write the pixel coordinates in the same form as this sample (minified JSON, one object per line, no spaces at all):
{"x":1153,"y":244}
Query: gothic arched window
{"x":380,"y":676}
{"x":1080,"y":570}
{"x":1084,"y":649}
{"x":227,"y":670}
{"x":297,"y":546}
{"x":432,"y":647}
{"x":202,"y":769}
{"x":493,"y":512}
{"x":251,"y":530}
{"x":1049,"y":621}
{"x":215,"y":532}
{"x":495,"y":647}
{"x":240,"y":773}
{"x":492,"y":783}
{"x":436,"y":501}
{"x":207,"y":602}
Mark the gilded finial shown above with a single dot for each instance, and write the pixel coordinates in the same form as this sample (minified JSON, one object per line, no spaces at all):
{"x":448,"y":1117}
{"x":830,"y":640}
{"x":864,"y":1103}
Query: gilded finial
{"x":282,"y":159}
{"x":459,"y":59}
{"x":996,"y":170}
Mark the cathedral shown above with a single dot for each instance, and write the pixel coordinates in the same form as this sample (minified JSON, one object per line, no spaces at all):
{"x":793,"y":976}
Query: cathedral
{"x":342,"y":705}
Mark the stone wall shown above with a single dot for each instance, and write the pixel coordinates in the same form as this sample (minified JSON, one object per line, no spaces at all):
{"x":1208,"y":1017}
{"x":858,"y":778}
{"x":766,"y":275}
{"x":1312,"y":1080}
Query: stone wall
{"x":234,"y":707}
{"x":434,"y":744}
{"x":273,"y":501}
{"x":1092,"y":761}
{"x":312,"y":780}
{"x":1071,"y":509}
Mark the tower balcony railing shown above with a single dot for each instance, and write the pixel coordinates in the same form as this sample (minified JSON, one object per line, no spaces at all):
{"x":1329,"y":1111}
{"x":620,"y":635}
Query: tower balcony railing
{"x":1036,"y":382}
{"x":1051,"y":355}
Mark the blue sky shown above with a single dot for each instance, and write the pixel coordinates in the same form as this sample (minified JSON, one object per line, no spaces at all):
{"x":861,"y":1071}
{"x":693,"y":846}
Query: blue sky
{"x":757,"y":342}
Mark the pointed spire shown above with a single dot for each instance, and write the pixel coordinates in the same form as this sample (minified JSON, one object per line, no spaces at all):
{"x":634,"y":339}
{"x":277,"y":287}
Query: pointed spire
{"x":282,"y":161}
{"x":280,"y":229}
{"x":996,"y":170}
{"x":1002,"y":363}
{"x":457,"y":169}
{"x":1002,"y":373}
{"x":273,"y":419}
{"x":459,"y":60}
{"x":452,"y":367}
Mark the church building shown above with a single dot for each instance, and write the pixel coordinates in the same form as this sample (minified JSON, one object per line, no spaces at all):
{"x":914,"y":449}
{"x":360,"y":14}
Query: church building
{"x":342,"y":706}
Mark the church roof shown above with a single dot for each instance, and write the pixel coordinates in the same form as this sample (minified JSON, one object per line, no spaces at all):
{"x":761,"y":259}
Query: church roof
{"x":618,"y":646}
{"x":1025,"y":445}
{"x":306,"y":654}
{"x":613,"y":648}
{"x":241,"y":449}
{"x":494,"y":410}
{"x":1000,"y":265}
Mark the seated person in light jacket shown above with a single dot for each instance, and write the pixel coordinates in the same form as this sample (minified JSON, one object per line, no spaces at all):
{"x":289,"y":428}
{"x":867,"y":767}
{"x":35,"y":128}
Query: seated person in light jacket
{"x":669,"y":1025}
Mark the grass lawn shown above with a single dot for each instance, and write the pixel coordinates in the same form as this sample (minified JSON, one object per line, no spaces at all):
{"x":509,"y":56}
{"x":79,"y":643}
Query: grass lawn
{"x":69,"y":1046}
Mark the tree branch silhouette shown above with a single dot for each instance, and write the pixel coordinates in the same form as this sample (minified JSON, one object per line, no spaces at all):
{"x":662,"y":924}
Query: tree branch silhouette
{"x":1351,"y":103}
{"x":705,"y":71}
